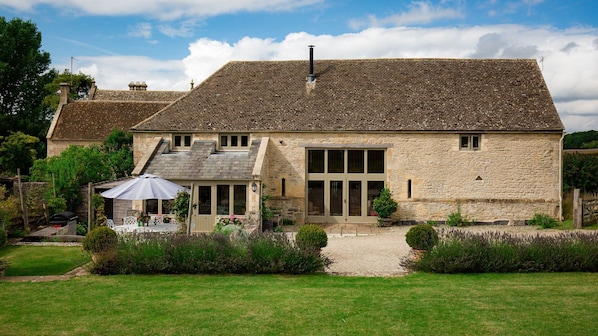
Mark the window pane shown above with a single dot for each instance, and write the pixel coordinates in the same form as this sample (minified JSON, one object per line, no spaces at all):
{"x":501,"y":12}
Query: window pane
{"x":222,"y":199}
{"x":315,"y":198}
{"x":167,"y":206}
{"x":356,"y":164}
{"x":315,"y":161}
{"x":151,"y":206}
{"x":475,"y":141}
{"x":375,"y":161}
{"x":223,"y":141}
{"x":234,"y":141}
{"x":374,"y":188}
{"x":354,"y":198}
{"x":204,"y":194}
{"x":464,"y":141}
{"x":336,"y":198}
{"x":240,"y":199}
{"x":336,"y":161}
{"x":187,"y":141}
{"x":244,"y":140}
{"x":177,"y":141}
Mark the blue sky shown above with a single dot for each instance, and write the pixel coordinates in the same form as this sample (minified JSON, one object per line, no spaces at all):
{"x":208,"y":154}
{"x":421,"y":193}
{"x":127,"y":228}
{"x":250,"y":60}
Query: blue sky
{"x":168,"y":43}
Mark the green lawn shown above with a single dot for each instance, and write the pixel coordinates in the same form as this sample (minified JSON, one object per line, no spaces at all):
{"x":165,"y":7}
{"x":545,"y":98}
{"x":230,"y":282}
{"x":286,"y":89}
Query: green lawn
{"x":418,"y":304}
{"x":42,"y":260}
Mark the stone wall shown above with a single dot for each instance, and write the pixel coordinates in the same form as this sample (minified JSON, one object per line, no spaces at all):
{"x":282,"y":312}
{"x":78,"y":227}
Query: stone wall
{"x":511,"y":177}
{"x":55,"y":147}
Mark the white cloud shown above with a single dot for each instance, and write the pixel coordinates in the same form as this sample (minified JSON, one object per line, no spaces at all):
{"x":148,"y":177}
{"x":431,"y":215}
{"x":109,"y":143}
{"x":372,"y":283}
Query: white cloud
{"x":162,"y":9}
{"x":420,"y":12}
{"x":569,"y":58}
{"x":184,"y":29}
{"x":142,"y":29}
{"x":116,"y":72}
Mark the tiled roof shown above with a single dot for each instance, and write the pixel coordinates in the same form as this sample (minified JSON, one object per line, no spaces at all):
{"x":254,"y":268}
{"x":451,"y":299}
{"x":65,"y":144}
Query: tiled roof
{"x":202,"y":162}
{"x":144,"y":96}
{"x":366,"y":95}
{"x":94,"y":120}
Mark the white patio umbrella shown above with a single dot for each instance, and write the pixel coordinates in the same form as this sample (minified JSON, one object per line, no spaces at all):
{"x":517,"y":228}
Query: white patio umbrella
{"x":144,"y":187}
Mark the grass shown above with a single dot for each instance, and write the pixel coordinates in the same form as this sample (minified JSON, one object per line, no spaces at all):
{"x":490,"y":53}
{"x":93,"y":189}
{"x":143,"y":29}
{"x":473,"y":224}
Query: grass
{"x":418,"y":304}
{"x":42,"y":260}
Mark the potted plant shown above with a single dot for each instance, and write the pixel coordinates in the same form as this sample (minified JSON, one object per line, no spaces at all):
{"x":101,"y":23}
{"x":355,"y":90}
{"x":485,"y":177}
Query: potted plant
{"x":384,"y":206}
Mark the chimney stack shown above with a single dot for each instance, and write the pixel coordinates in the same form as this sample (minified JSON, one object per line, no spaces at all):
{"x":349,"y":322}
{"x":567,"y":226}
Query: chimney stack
{"x":311,"y":78}
{"x":65,"y":90}
{"x":136,"y":86}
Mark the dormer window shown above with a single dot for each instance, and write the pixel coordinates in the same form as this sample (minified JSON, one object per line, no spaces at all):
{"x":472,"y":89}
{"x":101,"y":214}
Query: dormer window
{"x":181,"y":141}
{"x":234,"y":141}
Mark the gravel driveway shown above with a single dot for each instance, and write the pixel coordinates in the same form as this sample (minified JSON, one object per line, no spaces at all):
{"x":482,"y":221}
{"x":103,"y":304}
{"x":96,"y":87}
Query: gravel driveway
{"x":372,"y":251}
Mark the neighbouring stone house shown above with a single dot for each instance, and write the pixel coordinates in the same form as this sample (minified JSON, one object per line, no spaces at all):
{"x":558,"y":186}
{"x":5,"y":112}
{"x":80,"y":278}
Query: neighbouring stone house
{"x":479,"y":135}
{"x":89,"y":121}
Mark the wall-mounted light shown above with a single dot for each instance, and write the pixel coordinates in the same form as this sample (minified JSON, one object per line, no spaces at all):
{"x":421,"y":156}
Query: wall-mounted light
{"x":254,"y":187}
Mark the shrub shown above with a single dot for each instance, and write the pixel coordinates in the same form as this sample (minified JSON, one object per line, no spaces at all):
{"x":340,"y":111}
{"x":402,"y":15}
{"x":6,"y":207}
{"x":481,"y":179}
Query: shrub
{"x":3,"y":237}
{"x":384,"y":205}
{"x":215,"y":253}
{"x":494,"y":252}
{"x":17,"y":233}
{"x":543,"y":220}
{"x":81,"y":229}
{"x":458,"y":219}
{"x":422,"y":237}
{"x":311,"y":236}
{"x":100,"y":239}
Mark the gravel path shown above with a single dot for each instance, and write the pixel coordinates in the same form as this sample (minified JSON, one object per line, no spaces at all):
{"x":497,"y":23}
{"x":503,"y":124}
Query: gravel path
{"x":379,"y":252}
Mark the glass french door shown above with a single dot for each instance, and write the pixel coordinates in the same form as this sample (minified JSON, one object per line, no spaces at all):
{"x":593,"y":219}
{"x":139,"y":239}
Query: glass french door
{"x":217,"y":199}
{"x":342,"y":184}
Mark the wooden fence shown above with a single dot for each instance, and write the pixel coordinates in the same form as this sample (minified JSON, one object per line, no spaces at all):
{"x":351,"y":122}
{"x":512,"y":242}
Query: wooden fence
{"x":585,"y":209}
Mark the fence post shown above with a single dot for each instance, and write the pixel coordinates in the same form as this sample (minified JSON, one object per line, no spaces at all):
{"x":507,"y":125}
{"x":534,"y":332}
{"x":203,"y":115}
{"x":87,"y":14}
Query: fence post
{"x":577,"y":210}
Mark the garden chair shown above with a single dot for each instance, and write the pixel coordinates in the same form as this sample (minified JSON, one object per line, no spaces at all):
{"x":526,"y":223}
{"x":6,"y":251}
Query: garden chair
{"x":130,"y":220}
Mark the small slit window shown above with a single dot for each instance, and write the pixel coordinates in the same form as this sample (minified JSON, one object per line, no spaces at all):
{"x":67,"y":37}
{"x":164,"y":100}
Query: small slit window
{"x":470,"y":142}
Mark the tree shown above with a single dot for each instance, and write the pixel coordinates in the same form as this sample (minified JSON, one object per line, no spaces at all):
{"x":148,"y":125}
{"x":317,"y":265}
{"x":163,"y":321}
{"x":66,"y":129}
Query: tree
{"x":23,"y":77}
{"x":118,"y":148}
{"x":80,"y":85}
{"x":587,"y":139}
{"x":581,"y":172}
{"x":77,"y":166}
{"x":18,"y":150}
{"x":66,"y":173}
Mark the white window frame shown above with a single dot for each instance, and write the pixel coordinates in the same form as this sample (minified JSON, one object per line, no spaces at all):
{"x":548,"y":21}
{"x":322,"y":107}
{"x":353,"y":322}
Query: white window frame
{"x":473,"y":142}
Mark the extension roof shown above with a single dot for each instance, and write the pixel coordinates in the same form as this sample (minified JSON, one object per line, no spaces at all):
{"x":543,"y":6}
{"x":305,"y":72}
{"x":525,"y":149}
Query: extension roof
{"x":387,"y":95}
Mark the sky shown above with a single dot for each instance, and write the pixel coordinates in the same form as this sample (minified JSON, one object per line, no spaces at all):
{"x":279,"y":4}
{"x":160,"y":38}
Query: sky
{"x":169,"y":43}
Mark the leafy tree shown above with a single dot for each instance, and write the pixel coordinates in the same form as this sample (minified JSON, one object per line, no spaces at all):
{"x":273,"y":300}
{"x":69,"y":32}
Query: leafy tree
{"x":77,"y":166}
{"x":23,"y":77}
{"x":17,"y":151}
{"x":118,"y":148}
{"x":74,"y":167}
{"x":587,"y":139}
{"x":581,"y":172}
{"x":80,"y":85}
